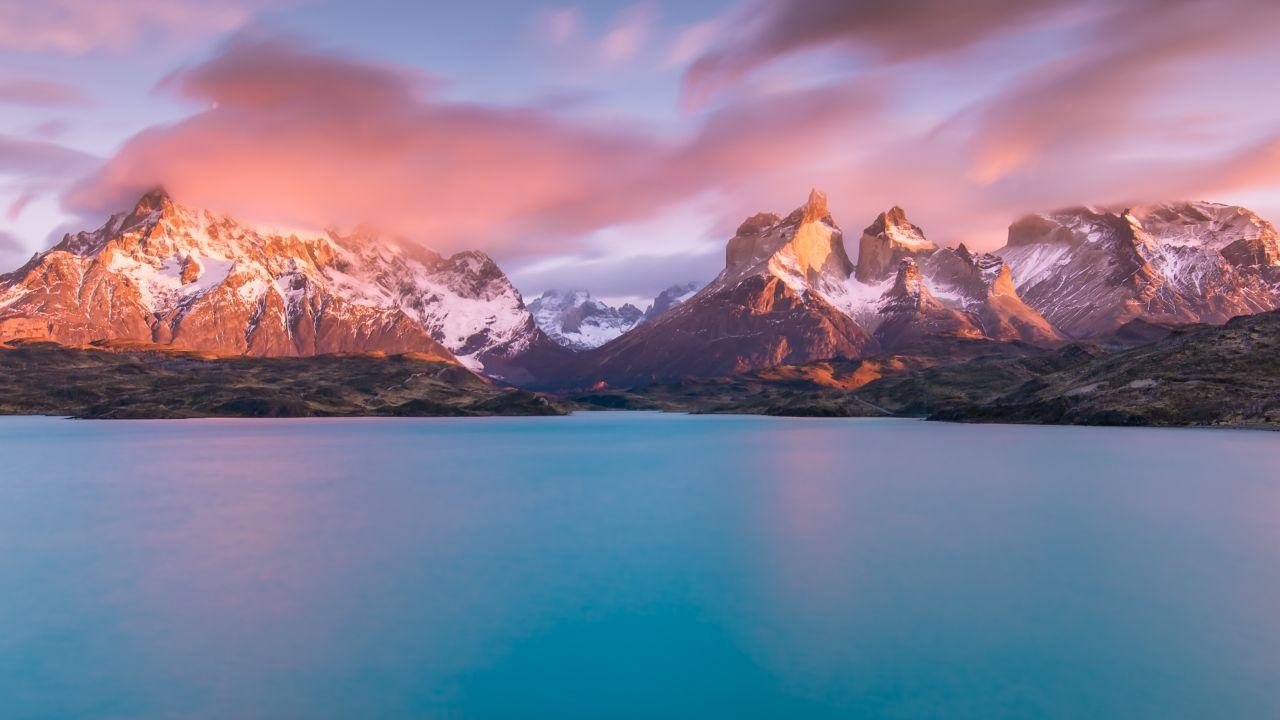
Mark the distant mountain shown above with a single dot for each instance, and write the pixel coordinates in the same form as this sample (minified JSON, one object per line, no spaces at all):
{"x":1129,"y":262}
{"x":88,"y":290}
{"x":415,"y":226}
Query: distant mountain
{"x":190,"y":279}
{"x":578,"y":321}
{"x":670,"y":298}
{"x":1090,"y":271}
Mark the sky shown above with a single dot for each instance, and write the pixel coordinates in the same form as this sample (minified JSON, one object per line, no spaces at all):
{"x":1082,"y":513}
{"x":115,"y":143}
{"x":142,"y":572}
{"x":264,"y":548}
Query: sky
{"x":615,"y":146}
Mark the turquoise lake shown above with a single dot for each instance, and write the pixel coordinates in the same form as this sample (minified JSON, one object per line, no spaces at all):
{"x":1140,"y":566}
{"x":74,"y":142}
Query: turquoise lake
{"x":636,"y":565}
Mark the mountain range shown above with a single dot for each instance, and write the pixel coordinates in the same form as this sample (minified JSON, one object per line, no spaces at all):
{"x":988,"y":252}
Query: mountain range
{"x":790,"y":294}
{"x":577,"y":321}
{"x":190,"y":279}
{"x":1090,"y":271}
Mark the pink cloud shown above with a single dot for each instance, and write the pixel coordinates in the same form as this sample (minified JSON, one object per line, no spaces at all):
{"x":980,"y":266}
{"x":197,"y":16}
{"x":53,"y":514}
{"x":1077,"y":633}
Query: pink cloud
{"x":1098,"y":102}
{"x":581,"y":50}
{"x":296,"y":136}
{"x":40,"y":93}
{"x":1122,"y":113}
{"x":560,"y":26}
{"x":50,"y":129}
{"x":76,"y":27}
{"x":628,"y":35}
{"x":693,"y":41}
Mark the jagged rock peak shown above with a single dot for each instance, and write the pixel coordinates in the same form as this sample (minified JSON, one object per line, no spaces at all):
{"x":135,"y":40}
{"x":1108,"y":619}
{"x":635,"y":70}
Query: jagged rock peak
{"x":908,"y":289}
{"x":893,"y":217}
{"x":909,"y":280}
{"x":886,"y":242}
{"x":153,"y":205}
{"x":809,"y":230}
{"x":155,"y":199}
{"x":814,"y":210}
{"x":758,"y":224}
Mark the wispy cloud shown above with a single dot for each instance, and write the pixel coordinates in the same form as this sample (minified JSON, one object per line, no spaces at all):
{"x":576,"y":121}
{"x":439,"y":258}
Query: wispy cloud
{"x":40,"y":93}
{"x":76,"y":27}
{"x":293,"y":134}
{"x":1115,"y":108}
{"x":761,"y":32}
{"x":558,"y":27}
{"x":32,"y":168}
{"x":12,"y":250}
{"x":628,"y":34}
{"x":625,"y":38}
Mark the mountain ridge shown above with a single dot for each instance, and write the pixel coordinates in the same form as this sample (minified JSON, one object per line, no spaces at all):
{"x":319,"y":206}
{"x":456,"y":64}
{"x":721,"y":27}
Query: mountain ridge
{"x":577,"y":321}
{"x":174,"y":276}
{"x":789,"y":293}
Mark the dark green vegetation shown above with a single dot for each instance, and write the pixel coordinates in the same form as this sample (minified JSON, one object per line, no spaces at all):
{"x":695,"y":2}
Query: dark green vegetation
{"x":830,"y":388}
{"x":1225,"y":375}
{"x":141,"y":382}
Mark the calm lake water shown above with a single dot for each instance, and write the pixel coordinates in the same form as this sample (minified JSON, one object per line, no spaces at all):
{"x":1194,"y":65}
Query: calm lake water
{"x":628,"y":565}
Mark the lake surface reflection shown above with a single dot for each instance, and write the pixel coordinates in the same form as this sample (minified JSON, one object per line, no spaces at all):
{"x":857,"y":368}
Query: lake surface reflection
{"x":635,"y":565}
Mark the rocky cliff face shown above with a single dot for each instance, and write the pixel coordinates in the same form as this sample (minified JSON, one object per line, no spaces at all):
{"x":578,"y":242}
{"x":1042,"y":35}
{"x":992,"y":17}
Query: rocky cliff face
{"x":759,"y":312}
{"x":910,"y":312}
{"x":886,"y":243}
{"x":982,"y":285}
{"x":1090,"y":271}
{"x":170,"y":275}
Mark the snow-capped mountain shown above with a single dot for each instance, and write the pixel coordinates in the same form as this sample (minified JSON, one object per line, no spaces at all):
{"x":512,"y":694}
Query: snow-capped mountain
{"x":1091,"y":271}
{"x":578,"y":321}
{"x":167,"y":274}
{"x":757,"y":313}
{"x":790,"y":294}
{"x":905,"y":288}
